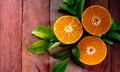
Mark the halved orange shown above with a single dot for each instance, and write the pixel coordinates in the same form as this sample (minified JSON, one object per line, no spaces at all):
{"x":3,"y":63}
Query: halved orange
{"x":96,"y":20}
{"x":68,"y":29}
{"x":92,"y":50}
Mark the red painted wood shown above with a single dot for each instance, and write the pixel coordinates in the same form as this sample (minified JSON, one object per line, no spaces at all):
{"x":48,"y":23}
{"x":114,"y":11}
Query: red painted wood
{"x":10,"y":35}
{"x":35,"y":13}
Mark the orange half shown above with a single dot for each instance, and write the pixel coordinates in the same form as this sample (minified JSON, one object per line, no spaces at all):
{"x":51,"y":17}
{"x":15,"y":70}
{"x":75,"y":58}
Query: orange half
{"x":68,"y":29}
{"x":96,"y":20}
{"x":92,"y":50}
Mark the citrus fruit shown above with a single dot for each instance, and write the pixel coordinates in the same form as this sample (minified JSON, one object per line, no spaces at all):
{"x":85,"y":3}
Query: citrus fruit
{"x":68,"y":29}
{"x":96,"y":20}
{"x":92,"y":50}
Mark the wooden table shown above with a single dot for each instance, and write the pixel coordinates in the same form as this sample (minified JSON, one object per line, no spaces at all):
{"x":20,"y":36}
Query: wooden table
{"x":17,"y":20}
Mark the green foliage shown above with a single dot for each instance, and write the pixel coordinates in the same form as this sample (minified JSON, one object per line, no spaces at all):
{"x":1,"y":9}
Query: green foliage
{"x":69,"y":2}
{"x":53,"y":45}
{"x":67,"y":8}
{"x":60,"y":67}
{"x":75,"y":7}
{"x":112,"y":33}
{"x":76,"y":56}
{"x":60,"y":55}
{"x":39,"y":47}
{"x":107,"y":40}
{"x":45,"y":33}
{"x":48,"y":41}
{"x":79,"y":7}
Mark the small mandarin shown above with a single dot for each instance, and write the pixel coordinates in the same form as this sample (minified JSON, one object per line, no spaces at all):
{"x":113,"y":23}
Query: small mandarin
{"x":96,"y":20}
{"x":92,"y":50}
{"x":68,"y":29}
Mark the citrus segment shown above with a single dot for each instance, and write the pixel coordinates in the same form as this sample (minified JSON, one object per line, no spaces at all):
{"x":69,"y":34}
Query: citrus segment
{"x":92,"y":50}
{"x":96,"y":20}
{"x":68,"y":29}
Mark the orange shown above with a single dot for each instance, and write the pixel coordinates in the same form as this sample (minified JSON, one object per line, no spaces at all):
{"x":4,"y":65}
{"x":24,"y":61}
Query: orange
{"x":68,"y":29}
{"x":96,"y":20}
{"x":92,"y":50}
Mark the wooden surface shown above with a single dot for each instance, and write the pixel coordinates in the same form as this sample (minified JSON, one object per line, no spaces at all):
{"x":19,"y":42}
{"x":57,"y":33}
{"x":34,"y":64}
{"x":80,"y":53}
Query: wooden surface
{"x":19,"y":17}
{"x":10,"y":35}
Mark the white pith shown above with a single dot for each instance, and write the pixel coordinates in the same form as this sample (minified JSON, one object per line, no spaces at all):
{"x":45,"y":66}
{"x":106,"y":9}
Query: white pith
{"x":68,"y":29}
{"x":96,"y":20}
{"x":91,"y":50}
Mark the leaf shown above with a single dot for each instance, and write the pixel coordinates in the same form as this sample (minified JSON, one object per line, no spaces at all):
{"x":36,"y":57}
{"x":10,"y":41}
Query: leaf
{"x":67,"y":8}
{"x":107,"y":40}
{"x":39,"y":47}
{"x":76,"y":52}
{"x":44,"y":33}
{"x":79,"y":6}
{"x":114,"y":26}
{"x":114,"y":35}
{"x":60,"y":55}
{"x":77,"y":62}
{"x":51,"y":34}
{"x":117,"y":26}
{"x":53,"y":45}
{"x":76,"y":56}
{"x":69,"y":2}
{"x":60,"y":67}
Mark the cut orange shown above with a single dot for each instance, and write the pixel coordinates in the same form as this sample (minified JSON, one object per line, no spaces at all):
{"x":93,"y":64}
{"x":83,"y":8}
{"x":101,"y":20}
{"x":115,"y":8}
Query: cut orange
{"x":92,"y":50}
{"x":68,"y":29}
{"x":96,"y":20}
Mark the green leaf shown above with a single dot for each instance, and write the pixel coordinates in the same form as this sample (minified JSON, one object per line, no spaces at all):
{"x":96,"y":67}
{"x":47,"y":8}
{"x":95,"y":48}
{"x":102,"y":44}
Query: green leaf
{"x":51,"y":34}
{"x":60,"y":67}
{"x":69,"y":2}
{"x":107,"y":40}
{"x":114,"y":26}
{"x":79,"y":6}
{"x":53,"y":45}
{"x":76,"y":56}
{"x":114,"y":35}
{"x":77,"y":62}
{"x":67,"y":8}
{"x":100,"y":36}
{"x":60,"y":55}
{"x":76,"y":52}
{"x":117,"y":26}
{"x":39,"y":47}
{"x":45,"y":33}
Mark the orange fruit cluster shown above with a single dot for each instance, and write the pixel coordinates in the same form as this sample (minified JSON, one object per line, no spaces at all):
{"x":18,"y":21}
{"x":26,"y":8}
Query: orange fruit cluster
{"x":96,"y":20}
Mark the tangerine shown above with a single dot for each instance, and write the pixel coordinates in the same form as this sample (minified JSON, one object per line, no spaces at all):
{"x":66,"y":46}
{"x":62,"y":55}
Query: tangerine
{"x":96,"y":20}
{"x":93,"y":50}
{"x":68,"y":29}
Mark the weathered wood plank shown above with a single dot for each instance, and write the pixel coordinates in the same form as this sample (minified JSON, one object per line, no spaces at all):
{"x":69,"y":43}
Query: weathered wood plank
{"x":114,"y":7}
{"x":10,"y":35}
{"x":35,"y":13}
{"x":115,"y":57}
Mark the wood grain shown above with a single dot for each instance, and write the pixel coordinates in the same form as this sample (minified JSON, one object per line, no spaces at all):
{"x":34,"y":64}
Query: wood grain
{"x":35,"y":13}
{"x":114,"y":8}
{"x":10,"y":35}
